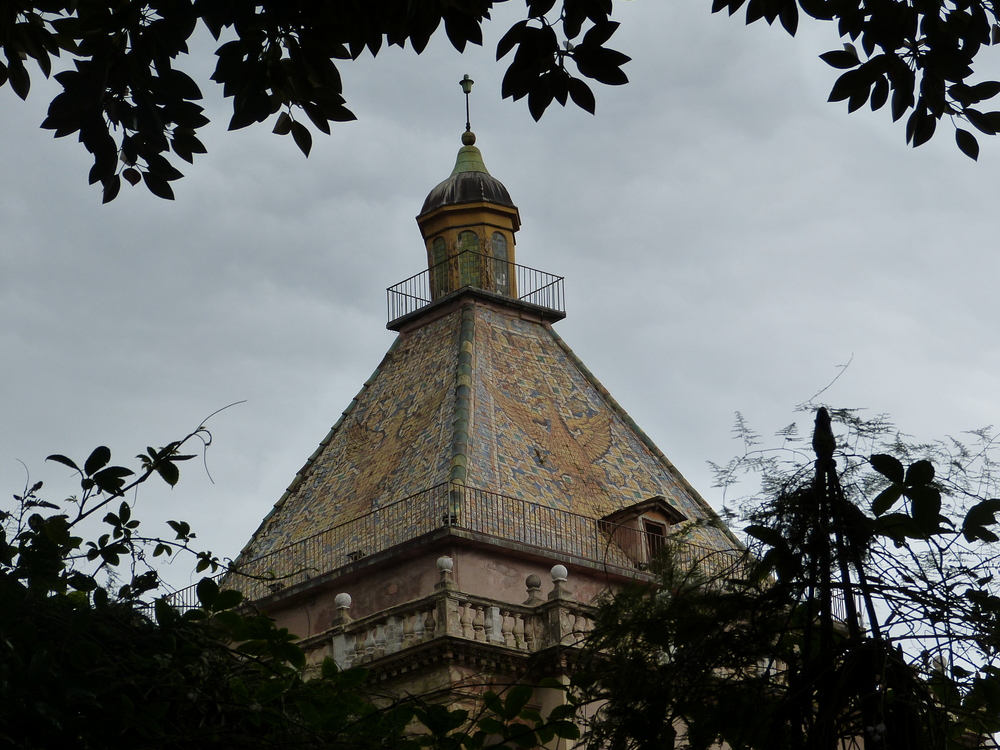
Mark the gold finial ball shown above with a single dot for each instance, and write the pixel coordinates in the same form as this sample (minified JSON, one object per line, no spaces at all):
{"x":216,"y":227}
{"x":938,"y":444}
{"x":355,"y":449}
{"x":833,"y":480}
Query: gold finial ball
{"x":468,"y":138}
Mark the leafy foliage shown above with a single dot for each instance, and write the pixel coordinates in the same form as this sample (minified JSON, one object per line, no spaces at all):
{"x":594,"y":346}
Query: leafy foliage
{"x":916,"y":57}
{"x":867,"y":616}
{"x":134,"y":109}
{"x":89,"y":662}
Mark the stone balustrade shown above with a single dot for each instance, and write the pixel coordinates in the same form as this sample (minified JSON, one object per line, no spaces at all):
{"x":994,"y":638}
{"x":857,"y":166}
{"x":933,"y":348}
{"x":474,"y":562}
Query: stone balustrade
{"x":530,"y":627}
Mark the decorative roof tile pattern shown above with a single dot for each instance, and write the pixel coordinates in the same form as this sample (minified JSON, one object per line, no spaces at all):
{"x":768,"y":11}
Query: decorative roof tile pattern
{"x":547,"y":432}
{"x":393,"y":441}
{"x":487,"y":399}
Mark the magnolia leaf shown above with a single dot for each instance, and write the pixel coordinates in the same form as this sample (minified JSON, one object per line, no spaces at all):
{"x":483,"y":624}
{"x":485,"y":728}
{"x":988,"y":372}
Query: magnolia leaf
{"x":967,"y":143}
{"x":302,"y":137}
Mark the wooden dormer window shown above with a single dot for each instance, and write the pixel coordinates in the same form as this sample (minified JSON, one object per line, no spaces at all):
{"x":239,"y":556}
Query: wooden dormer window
{"x":656,"y":536}
{"x":639,"y":532}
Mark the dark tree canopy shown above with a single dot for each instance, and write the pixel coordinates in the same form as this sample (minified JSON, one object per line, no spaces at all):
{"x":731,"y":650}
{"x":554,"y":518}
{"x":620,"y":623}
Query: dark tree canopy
{"x":864,"y":616}
{"x":133,"y":107}
{"x":92,"y":656}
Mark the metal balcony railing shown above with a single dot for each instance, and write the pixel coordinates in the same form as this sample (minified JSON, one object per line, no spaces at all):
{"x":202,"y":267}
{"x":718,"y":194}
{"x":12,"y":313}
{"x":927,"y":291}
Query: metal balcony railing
{"x":546,"y":529}
{"x":471,"y":270}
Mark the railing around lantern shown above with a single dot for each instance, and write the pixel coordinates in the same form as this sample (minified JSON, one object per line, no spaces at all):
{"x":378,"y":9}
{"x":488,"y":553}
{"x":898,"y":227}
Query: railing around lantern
{"x":510,"y":519}
{"x":470,"y":270}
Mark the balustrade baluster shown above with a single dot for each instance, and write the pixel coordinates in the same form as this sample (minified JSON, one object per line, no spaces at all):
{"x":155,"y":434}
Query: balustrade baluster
{"x":393,"y":630}
{"x":479,"y":624}
{"x":507,"y":629}
{"x":519,"y":640}
{"x":342,"y":650}
{"x":429,"y":624}
{"x":410,"y":624}
{"x":494,"y":626}
{"x":466,"y":620}
{"x":530,"y":633}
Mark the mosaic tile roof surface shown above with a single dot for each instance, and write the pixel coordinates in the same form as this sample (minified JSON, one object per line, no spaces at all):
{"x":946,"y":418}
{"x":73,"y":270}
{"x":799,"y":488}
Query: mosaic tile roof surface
{"x":392,"y":441}
{"x":490,"y":399}
{"x":544,"y":433}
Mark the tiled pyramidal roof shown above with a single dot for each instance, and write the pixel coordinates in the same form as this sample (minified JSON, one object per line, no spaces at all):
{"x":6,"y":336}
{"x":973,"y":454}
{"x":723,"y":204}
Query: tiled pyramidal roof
{"x":478,"y":393}
{"x":489,"y":398}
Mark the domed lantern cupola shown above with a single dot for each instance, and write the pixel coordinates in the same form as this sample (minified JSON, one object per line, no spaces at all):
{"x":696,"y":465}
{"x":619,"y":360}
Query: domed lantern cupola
{"x":468,"y":224}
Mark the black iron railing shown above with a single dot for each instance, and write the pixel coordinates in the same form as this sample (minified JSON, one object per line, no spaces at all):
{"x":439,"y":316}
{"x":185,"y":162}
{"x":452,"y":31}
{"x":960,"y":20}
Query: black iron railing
{"x":544,"y":529}
{"x":471,"y":270}
{"x":506,"y":518}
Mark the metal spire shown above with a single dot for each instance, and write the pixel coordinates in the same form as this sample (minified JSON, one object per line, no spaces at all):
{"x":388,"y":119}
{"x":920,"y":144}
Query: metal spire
{"x":466,"y":84}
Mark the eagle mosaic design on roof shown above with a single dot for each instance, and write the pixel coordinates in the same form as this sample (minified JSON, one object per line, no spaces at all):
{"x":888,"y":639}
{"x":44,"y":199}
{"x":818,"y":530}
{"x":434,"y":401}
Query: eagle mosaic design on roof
{"x":544,"y":433}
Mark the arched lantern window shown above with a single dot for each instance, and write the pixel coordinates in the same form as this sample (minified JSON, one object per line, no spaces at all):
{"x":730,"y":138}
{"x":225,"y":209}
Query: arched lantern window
{"x":501,"y":264}
{"x":439,"y":268}
{"x":469,"y":265}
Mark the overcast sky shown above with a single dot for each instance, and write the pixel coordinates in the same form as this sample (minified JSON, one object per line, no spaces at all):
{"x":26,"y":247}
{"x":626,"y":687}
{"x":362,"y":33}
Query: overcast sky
{"x":729,"y":241}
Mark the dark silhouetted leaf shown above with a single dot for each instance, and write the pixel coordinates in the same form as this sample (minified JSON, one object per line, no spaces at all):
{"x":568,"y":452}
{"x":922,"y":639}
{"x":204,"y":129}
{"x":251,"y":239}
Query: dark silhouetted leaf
{"x":18,"y":77}
{"x":880,"y":93}
{"x":980,"y":515}
{"x":986,"y":90}
{"x":511,"y":39}
{"x":59,"y":458}
{"x":886,"y":499}
{"x":540,"y":97}
{"x":111,"y":189}
{"x":840,"y":59}
{"x":600,"y":33}
{"x":967,"y":143}
{"x":158,"y":186}
{"x":980,"y":121}
{"x":227,"y":599}
{"x":207,"y":591}
{"x":302,"y":136}
{"x":284,"y":124}
{"x":888,"y":466}
{"x":923,"y":129}
{"x":919,"y":472}
{"x":789,"y":16}
{"x":169,"y":472}
{"x":581,"y":95}
{"x":925,"y":502}
{"x":517,"y":699}
{"x":97,"y":460}
{"x":112,"y":479}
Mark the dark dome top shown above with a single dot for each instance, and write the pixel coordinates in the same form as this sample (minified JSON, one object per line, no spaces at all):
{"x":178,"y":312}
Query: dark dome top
{"x":469,"y":183}
{"x":467,"y":187}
